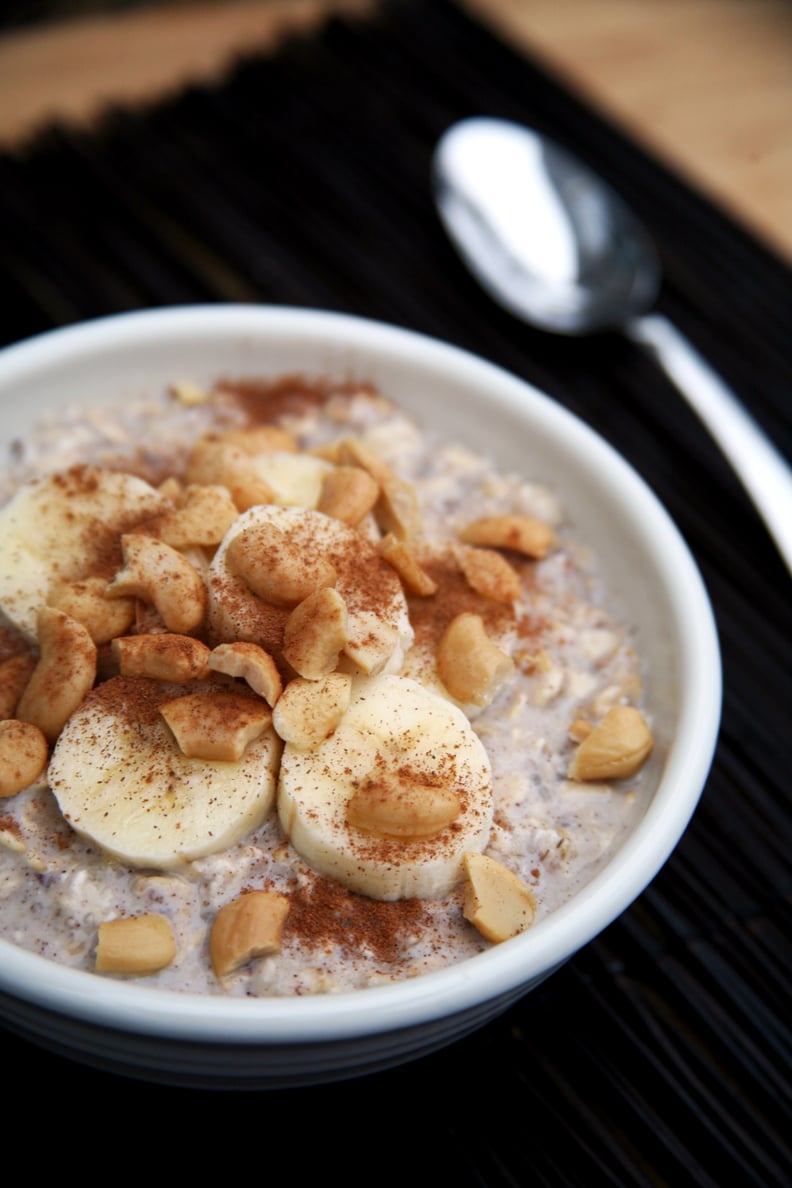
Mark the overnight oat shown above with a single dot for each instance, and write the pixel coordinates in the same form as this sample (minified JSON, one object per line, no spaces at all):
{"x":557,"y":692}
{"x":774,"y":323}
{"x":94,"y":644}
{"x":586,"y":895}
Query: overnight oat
{"x":294,"y":696}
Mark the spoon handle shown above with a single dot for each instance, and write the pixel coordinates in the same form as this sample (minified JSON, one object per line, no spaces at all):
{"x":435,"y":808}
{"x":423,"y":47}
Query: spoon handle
{"x":764,"y":473}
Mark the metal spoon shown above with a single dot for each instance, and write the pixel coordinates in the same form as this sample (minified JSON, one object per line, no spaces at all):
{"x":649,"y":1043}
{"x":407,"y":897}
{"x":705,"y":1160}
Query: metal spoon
{"x":553,"y":244}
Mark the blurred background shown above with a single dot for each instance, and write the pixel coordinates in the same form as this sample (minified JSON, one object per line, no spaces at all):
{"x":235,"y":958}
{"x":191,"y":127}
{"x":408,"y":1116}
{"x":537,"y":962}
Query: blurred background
{"x":705,"y":83}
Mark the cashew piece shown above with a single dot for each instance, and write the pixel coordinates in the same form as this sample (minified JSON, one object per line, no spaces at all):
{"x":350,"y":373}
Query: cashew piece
{"x":315,"y":633}
{"x":65,"y":672}
{"x":521,"y":534}
{"x":247,"y":927}
{"x":271,"y":568}
{"x":216,"y":725}
{"x":188,"y":393}
{"x":353,"y":451}
{"x":218,"y":463}
{"x":407,"y":810}
{"x":23,"y":755}
{"x":469,"y":664}
{"x":86,"y":601}
{"x":580,"y":729}
{"x":397,"y":509}
{"x":489,"y":574}
{"x":135,"y":945}
{"x":413,"y":576}
{"x":259,"y":439}
{"x":250,"y":663}
{"x":496,"y":902}
{"x":162,"y":656}
{"x":308,"y":711}
{"x":172,"y":488}
{"x":161,"y":575}
{"x":204,"y":515}
{"x":617,"y":747}
{"x":348,"y":494}
{"x":15,"y":672}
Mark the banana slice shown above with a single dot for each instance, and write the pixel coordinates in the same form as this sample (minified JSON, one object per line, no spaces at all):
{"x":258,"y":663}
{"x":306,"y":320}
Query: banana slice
{"x":295,"y":479}
{"x":65,"y":527}
{"x":122,"y":782}
{"x":378,"y":625}
{"x":407,"y":767}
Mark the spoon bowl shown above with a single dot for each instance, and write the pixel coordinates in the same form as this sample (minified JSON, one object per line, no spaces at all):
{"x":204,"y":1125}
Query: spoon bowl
{"x":548,"y":240}
{"x":556,"y":246}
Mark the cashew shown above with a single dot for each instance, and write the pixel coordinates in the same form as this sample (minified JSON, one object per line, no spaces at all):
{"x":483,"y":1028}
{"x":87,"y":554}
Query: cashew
{"x":86,"y":601}
{"x":173,"y":489}
{"x":315,"y":633}
{"x":353,"y":451}
{"x":218,"y":463}
{"x":329,"y":451}
{"x":402,"y":808}
{"x":161,"y":575}
{"x":148,"y":620}
{"x":216,"y":725}
{"x":188,"y":393}
{"x":414,"y":577}
{"x":397,"y":509}
{"x":252,"y":664}
{"x":14,"y":675}
{"x":65,"y":672}
{"x":259,"y":439}
{"x":202,"y":518}
{"x":309,"y":711}
{"x":469,"y":664}
{"x":580,"y":729}
{"x":265,"y":561}
{"x":617,"y":747}
{"x":348,"y":494}
{"x":522,"y":534}
{"x":247,"y":927}
{"x":23,"y":755}
{"x":489,"y":574}
{"x":496,"y":902}
{"x":163,"y":656}
{"x":135,"y":945}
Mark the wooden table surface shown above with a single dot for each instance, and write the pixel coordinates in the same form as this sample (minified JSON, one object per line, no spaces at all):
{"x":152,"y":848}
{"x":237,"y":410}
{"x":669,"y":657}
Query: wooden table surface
{"x":706,"y":84}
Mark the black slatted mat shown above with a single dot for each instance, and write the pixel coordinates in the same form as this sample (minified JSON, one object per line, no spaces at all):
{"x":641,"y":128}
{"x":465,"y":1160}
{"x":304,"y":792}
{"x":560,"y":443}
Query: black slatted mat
{"x":661,"y":1054}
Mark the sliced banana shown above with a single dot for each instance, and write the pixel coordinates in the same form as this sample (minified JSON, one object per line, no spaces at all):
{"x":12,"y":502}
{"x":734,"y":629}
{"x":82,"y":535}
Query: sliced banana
{"x":378,"y":626}
{"x":400,"y":755}
{"x":65,"y":527}
{"x":122,"y":782}
{"x":295,"y":479}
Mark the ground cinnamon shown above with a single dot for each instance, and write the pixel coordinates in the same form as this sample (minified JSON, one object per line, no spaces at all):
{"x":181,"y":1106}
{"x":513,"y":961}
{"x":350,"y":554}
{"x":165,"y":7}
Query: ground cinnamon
{"x":324,"y":912}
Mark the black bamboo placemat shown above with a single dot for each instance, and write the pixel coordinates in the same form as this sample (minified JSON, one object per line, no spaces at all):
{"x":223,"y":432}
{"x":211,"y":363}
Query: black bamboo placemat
{"x":661,"y":1054}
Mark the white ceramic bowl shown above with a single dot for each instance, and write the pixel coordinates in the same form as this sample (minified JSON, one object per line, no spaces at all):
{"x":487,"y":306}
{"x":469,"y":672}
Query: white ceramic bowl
{"x":267,"y":1043}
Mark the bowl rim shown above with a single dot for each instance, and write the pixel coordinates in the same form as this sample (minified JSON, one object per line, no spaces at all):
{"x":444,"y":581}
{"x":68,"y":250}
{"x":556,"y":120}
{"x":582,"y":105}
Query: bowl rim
{"x":503,"y":969}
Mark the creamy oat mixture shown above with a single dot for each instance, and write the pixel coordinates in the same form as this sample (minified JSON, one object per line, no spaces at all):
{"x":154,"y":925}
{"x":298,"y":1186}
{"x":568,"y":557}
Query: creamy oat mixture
{"x":526,"y":685}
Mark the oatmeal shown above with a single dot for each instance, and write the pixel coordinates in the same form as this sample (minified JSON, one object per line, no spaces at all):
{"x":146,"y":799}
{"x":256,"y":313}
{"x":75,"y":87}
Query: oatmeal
{"x":295,"y":697}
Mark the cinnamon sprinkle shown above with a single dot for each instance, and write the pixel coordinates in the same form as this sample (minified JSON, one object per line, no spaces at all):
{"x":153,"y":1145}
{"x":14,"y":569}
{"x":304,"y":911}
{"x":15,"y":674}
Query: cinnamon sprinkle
{"x":454,"y":596}
{"x":10,"y":825}
{"x":265,"y":401}
{"x":324,"y":912}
